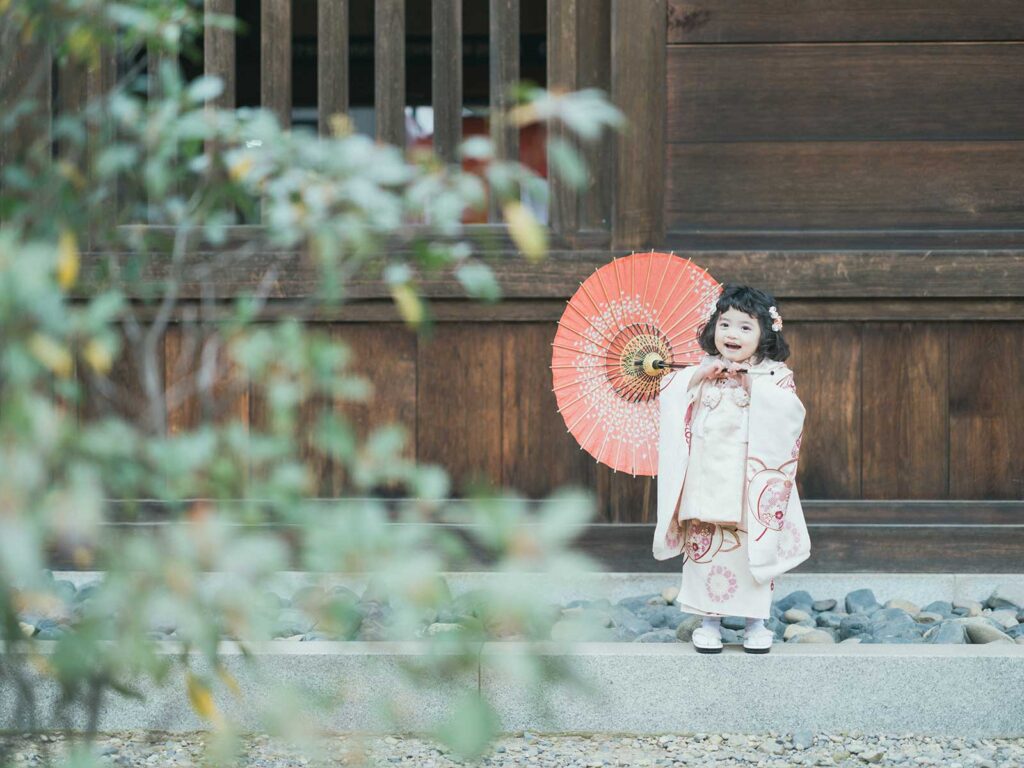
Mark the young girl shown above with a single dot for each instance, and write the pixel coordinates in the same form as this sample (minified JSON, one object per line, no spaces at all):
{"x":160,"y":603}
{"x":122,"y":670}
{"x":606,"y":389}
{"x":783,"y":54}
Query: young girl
{"x":727,"y":460}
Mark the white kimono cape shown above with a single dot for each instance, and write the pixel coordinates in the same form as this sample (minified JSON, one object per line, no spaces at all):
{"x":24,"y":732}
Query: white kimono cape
{"x":777,"y":534}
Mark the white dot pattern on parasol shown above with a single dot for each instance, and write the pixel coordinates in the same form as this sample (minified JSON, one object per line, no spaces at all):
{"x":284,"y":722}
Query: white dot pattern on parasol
{"x":623,"y":319}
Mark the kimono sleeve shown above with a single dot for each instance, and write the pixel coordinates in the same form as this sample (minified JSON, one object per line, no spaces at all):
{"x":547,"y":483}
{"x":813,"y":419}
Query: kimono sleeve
{"x":776,"y":428}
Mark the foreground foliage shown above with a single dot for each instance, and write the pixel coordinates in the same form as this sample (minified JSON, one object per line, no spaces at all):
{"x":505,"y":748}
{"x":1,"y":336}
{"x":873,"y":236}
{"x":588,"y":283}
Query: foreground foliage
{"x":149,"y":173}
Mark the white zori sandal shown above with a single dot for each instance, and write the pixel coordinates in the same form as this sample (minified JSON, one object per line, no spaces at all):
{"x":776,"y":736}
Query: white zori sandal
{"x":706,"y":640}
{"x":758,"y":640}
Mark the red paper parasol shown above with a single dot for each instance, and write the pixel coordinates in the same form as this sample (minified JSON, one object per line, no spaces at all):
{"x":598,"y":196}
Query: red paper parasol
{"x":627,"y":325}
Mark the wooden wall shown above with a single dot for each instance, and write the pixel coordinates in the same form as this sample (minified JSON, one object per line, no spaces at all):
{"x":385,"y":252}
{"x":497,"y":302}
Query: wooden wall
{"x":896,"y":410}
{"x":835,"y":153}
{"x":844,"y":117}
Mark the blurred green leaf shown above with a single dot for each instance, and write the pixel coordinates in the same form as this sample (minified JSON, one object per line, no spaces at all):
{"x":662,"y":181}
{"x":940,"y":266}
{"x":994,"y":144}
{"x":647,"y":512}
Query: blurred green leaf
{"x":470,"y":726}
{"x":479,"y":281}
{"x":567,"y":162}
{"x":204,"y":88}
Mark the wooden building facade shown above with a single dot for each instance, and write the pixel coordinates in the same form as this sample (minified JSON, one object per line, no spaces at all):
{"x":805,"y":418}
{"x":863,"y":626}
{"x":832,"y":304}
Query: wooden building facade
{"x":863,"y":161}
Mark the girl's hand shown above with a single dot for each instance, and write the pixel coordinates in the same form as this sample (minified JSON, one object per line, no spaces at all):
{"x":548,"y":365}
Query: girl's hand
{"x":709,"y":368}
{"x":712,"y":368}
{"x":733,"y":370}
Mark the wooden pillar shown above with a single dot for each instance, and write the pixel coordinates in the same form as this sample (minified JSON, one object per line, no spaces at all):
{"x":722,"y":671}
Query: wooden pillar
{"x":639,"y":43}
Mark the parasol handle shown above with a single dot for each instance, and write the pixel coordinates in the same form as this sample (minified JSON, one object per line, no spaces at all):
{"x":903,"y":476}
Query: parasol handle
{"x":654,"y":362}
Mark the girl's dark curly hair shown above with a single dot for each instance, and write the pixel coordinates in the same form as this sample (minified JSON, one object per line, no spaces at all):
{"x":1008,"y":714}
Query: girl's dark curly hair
{"x":755,"y":303}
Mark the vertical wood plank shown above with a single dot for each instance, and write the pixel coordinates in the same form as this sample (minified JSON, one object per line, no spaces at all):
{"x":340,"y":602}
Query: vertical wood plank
{"x":276,"y":58}
{"x":191,"y":400}
{"x":563,"y":75}
{"x":446,"y":73}
{"x":638,"y":89}
{"x":24,"y":78}
{"x":620,"y":497}
{"x":219,"y":51}
{"x":826,"y":365}
{"x":905,"y":438}
{"x":318,"y":463}
{"x":504,"y":73}
{"x":259,"y":422}
{"x":181,"y":354}
{"x":385,"y":353}
{"x":101,"y":78}
{"x":156,"y":64}
{"x":331,"y":61}
{"x":594,"y":40}
{"x":389,"y":70}
{"x":986,"y":411}
{"x":458,"y":417}
{"x":122,"y":392}
{"x":70,"y":98}
{"x":102,"y":74}
{"x":538,"y":453}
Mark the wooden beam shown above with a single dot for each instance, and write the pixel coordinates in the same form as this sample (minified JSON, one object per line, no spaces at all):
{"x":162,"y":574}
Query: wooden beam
{"x":973,"y":537}
{"x":446,"y":74}
{"x":844,"y":185}
{"x":811,"y":275}
{"x":465,"y":310}
{"x":332,"y":61}
{"x":817,"y":512}
{"x":912,"y":240}
{"x":964,"y":548}
{"x":773,"y":21}
{"x":959,"y":92}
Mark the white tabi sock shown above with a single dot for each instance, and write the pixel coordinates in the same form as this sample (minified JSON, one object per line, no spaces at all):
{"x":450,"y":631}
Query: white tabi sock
{"x":754,"y":624}
{"x":714,"y":623}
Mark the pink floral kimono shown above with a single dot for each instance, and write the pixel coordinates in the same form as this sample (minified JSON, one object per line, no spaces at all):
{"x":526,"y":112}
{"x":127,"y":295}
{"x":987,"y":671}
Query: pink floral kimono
{"x":727,"y":497}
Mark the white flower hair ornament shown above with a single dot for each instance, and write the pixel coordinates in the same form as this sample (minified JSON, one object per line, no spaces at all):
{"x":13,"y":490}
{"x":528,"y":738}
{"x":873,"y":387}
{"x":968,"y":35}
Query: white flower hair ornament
{"x":776,"y":319}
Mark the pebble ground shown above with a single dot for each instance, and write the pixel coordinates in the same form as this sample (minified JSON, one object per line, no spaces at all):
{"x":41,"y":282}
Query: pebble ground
{"x":770,"y":750}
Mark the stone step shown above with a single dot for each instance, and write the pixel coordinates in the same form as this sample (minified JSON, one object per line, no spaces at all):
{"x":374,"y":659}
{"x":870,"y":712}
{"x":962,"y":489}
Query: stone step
{"x":891,"y":689}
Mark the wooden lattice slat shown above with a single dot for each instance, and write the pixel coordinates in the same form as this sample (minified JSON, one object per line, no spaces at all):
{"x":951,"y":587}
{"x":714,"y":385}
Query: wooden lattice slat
{"x":276,"y":58}
{"x":446,"y":92}
{"x":389,"y":70}
{"x":332,"y":60}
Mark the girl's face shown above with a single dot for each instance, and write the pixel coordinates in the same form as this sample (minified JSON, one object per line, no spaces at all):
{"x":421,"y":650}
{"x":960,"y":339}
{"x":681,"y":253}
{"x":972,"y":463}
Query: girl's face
{"x":737,"y":335}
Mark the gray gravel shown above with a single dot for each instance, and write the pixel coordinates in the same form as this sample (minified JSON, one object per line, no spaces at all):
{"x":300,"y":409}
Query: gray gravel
{"x":770,"y":750}
{"x":798,"y":617}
